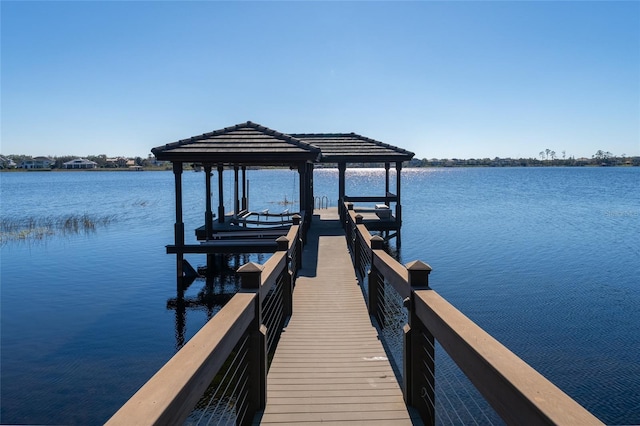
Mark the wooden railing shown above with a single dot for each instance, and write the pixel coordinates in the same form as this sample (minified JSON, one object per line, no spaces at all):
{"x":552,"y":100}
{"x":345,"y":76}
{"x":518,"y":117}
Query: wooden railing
{"x":349,"y":200}
{"x":239,"y":341}
{"x":517,"y":392}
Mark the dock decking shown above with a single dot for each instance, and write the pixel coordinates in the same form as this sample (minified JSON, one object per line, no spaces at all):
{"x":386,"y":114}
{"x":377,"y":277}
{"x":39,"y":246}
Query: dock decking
{"x":330,"y":365}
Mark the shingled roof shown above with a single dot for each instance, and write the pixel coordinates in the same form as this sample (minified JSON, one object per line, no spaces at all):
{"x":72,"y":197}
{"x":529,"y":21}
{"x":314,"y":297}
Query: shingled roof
{"x":250,"y":143}
{"x":353,"y":148}
{"x":246,"y":143}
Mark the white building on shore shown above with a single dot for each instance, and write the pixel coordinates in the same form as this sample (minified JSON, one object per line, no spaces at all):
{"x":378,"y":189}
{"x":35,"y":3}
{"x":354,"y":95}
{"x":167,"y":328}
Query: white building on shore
{"x":80,"y":163}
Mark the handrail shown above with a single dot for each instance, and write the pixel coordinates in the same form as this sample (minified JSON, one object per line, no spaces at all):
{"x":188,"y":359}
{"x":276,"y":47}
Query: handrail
{"x":517,"y":392}
{"x":272,"y":270}
{"x":364,"y":199}
{"x":395,"y":273}
{"x":170,"y":395}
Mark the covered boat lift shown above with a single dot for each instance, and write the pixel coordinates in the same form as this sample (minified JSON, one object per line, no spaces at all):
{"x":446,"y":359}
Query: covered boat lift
{"x":253,"y":145}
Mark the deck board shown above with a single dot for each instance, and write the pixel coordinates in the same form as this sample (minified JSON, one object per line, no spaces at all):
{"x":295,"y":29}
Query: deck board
{"x":330,"y":366}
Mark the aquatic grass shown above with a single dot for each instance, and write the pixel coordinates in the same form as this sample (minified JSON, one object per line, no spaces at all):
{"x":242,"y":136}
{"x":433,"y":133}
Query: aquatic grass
{"x":37,"y":228}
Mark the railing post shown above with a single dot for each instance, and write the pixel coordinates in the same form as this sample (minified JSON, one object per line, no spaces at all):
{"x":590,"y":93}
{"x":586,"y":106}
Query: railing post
{"x":353,"y":239}
{"x":287,"y":288}
{"x":296,"y":221}
{"x":344,"y":213}
{"x":250,"y":281}
{"x":419,"y":350}
{"x":375,"y":283}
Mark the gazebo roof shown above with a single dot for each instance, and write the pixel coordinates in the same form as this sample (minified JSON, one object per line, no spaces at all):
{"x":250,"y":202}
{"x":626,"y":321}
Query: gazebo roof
{"x":252,"y":144}
{"x":353,"y":148}
{"x":246,"y":143}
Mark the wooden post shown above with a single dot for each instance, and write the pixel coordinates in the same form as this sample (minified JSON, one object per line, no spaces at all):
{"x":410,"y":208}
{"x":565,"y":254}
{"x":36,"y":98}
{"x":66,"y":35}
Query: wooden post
{"x":398,"y":203}
{"x":302,"y":185}
{"x":208,"y":215}
{"x":419,"y":350}
{"x":310,"y":197}
{"x":375,"y":283}
{"x":236,"y":196}
{"x":287,"y":287}
{"x":296,"y":221}
{"x":178,"y":228}
{"x":353,"y":237}
{"x":342,"y":167}
{"x":387,"y":166}
{"x":179,"y":225}
{"x":220,"y":195}
{"x":245,"y":205}
{"x":250,"y":281}
{"x":398,"y":185}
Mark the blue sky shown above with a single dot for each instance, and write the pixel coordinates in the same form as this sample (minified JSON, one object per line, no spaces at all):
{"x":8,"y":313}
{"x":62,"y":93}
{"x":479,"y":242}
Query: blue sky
{"x":468,"y":79}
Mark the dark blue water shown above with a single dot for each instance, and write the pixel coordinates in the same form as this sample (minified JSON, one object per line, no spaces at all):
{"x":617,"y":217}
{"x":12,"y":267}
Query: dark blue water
{"x":546,"y":260}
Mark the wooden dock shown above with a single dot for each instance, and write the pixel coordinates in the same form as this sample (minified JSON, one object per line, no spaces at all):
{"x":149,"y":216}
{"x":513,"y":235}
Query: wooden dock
{"x":330,"y":365}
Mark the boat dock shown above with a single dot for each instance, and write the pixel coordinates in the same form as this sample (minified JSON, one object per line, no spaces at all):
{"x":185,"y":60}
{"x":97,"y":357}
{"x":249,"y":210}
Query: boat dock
{"x":301,"y":340}
{"x":330,"y":366}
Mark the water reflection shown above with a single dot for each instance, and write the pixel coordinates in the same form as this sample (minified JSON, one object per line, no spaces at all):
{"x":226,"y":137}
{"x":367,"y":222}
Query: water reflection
{"x":209,"y":289}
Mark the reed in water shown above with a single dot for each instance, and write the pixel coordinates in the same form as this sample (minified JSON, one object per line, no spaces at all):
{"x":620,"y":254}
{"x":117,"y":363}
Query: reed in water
{"x":37,"y":228}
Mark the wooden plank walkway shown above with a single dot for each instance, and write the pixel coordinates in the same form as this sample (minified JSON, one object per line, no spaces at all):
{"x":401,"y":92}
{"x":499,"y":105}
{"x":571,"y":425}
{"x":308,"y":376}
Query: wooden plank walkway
{"x":329,"y":366}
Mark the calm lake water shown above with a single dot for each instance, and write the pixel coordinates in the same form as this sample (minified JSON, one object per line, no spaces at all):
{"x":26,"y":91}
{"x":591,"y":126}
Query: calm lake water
{"x":545,"y":259}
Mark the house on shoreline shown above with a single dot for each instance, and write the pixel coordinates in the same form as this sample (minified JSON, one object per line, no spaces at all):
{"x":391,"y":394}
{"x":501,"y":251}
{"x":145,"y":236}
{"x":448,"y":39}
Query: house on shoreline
{"x":80,"y":163}
{"x":7,"y":163}
{"x":37,"y":163}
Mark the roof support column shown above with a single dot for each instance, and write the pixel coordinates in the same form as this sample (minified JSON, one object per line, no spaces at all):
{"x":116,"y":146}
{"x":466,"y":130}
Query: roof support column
{"x":342,"y":167}
{"x":387,"y":166}
{"x":236,"y":201}
{"x":220,"y":195}
{"x":302,"y":184}
{"x":398,"y":203}
{"x":310,"y":196}
{"x":208,"y":216}
{"x":245,"y":206}
{"x":179,"y":225}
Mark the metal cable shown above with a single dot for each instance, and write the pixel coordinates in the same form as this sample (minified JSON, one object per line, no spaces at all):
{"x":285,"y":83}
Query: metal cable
{"x":240,"y":353}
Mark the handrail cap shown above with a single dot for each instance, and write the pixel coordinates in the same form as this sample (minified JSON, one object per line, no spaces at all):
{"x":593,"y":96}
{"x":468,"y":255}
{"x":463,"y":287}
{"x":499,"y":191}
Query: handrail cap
{"x":418,"y":265}
{"x":377,"y":242}
{"x":250,"y":267}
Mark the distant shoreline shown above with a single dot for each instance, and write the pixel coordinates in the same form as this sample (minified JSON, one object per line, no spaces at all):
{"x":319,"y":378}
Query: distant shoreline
{"x":353,"y":166}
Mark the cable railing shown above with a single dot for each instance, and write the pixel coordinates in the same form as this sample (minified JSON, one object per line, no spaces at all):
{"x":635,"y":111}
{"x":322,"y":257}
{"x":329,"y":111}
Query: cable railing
{"x":219,"y":376}
{"x":231,"y":390}
{"x":453,"y":372}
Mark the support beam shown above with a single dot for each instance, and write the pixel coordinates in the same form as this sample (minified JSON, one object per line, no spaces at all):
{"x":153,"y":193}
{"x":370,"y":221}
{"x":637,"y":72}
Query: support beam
{"x":302,"y":185}
{"x":342,"y":167}
{"x":387,"y":166}
{"x":179,"y":225}
{"x":310,"y":196}
{"x":208,"y":215}
{"x":236,"y":201}
{"x":398,"y":202}
{"x":245,"y":206}
{"x":220,"y":195}
{"x":178,"y":228}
